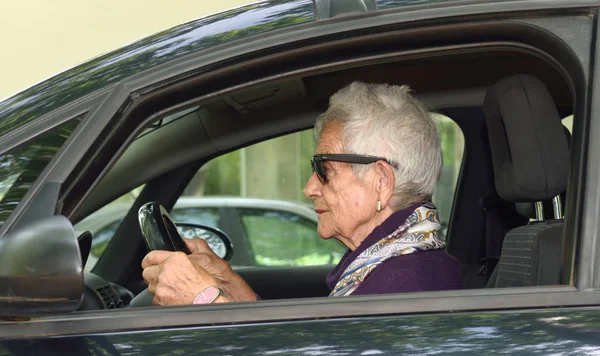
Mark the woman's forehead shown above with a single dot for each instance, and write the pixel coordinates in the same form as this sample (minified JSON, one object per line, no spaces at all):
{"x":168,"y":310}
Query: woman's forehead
{"x":330,"y":140}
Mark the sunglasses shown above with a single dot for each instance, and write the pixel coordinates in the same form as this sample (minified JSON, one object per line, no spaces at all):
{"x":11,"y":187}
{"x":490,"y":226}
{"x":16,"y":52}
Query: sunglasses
{"x":316,"y":162}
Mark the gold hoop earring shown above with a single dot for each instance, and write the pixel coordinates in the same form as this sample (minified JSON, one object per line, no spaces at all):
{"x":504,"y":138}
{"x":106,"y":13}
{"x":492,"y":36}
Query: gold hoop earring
{"x":379,"y":205}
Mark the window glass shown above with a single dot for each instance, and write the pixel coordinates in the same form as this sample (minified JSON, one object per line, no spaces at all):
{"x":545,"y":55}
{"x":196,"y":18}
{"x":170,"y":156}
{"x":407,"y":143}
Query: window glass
{"x":261,"y":185}
{"x":101,"y":238}
{"x":202,"y":216}
{"x":257,"y":180}
{"x":104,"y":222}
{"x":568,"y":123}
{"x":280,"y":238}
{"x":20,"y":167}
{"x":276,"y":169}
{"x":453,"y":146}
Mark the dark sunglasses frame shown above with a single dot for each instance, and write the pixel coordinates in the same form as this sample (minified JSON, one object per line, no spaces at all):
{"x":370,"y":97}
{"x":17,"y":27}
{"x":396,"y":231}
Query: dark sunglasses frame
{"x":316,"y":162}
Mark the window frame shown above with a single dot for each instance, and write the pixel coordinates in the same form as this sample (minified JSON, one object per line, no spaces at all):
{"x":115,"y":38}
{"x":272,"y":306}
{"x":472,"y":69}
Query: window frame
{"x":43,"y":196}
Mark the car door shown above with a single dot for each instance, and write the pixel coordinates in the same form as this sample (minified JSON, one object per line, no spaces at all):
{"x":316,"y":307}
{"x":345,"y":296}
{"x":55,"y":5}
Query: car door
{"x":542,"y":332}
{"x":546,"y":320}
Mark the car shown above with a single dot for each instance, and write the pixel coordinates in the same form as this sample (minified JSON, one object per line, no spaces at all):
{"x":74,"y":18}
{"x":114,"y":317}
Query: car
{"x":235,"y":214}
{"x":224,"y":106}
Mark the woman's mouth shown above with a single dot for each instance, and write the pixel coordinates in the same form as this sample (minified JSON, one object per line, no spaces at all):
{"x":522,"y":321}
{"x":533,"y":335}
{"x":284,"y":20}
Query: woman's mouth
{"x":320,"y":211}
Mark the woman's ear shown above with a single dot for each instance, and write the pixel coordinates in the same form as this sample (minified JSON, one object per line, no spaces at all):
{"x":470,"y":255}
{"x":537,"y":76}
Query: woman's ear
{"x":386,"y":180}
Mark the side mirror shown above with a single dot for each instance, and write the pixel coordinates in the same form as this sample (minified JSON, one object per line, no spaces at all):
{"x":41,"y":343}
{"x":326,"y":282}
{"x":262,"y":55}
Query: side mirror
{"x":41,"y":272}
{"x":217,"y":240}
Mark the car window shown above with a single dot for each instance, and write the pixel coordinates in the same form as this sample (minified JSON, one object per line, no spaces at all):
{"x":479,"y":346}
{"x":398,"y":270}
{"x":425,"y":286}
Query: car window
{"x":264,"y":183}
{"x":20,"y":167}
{"x":102,"y":237}
{"x":260,"y":185}
{"x":202,"y":216}
{"x":280,"y":238}
{"x":104,"y":222}
{"x":453,"y":147}
{"x":568,"y":123}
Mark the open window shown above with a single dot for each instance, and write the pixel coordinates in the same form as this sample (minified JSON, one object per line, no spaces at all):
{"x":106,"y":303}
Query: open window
{"x":253,"y":191}
{"x":255,"y":195}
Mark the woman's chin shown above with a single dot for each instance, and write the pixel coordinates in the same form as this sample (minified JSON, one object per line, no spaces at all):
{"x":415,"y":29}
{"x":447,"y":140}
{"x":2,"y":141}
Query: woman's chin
{"x":324,"y":234}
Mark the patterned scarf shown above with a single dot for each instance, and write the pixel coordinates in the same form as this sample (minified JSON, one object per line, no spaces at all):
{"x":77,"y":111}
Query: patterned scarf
{"x":417,"y":233}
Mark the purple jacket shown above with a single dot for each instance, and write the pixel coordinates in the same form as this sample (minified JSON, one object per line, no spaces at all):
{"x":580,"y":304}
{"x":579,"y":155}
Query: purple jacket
{"x":417,"y":272}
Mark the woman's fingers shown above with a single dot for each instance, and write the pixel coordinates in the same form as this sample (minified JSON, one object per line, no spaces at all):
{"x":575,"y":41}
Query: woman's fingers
{"x":176,"y":278}
{"x":198,"y":246}
{"x":150,"y":275}
{"x":155,"y":257}
{"x":173,"y":279}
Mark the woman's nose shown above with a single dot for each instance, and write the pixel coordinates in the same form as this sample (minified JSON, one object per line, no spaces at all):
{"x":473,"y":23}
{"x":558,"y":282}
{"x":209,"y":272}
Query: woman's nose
{"x":312,"y":189}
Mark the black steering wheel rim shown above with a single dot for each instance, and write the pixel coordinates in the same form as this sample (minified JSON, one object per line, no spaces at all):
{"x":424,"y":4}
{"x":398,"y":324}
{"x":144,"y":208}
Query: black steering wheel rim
{"x":160,"y":233}
{"x":159,"y":230}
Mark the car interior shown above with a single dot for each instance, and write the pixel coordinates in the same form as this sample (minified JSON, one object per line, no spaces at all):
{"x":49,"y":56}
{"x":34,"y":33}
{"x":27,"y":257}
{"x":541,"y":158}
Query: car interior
{"x":505,"y":225}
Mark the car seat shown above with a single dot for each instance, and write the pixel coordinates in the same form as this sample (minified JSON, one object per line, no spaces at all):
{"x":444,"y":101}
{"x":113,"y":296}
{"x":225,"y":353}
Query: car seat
{"x":530,"y":157}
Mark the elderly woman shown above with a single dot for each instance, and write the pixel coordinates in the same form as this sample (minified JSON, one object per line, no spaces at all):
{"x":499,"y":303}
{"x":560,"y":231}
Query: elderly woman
{"x":377,"y":163}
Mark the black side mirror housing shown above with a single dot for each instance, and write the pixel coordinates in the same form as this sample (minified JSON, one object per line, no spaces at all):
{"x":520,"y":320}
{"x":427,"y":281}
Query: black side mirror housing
{"x":41,"y":271}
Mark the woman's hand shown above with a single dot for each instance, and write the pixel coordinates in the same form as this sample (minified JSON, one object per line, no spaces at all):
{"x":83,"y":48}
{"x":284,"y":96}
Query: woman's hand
{"x":176,"y":278}
{"x":231,"y":283}
{"x":173,"y":279}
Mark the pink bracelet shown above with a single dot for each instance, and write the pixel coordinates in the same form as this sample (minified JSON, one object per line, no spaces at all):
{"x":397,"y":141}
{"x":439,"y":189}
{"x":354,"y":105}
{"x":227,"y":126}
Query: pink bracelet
{"x":208,"y":295}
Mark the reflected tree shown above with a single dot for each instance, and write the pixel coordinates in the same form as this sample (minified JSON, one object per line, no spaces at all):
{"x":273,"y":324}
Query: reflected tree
{"x":566,"y":332}
{"x":21,"y":166}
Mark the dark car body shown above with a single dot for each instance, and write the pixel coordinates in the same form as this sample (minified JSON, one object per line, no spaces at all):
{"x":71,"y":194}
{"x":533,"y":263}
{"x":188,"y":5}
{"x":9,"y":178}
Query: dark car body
{"x":116,"y":96}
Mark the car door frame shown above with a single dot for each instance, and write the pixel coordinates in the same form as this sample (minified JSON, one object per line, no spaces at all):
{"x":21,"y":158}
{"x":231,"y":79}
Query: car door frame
{"x":41,"y":199}
{"x":585,"y":225}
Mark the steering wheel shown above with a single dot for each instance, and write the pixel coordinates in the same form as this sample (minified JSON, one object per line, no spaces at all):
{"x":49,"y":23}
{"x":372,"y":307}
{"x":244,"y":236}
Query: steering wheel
{"x":160,"y":233}
{"x":159,"y":230}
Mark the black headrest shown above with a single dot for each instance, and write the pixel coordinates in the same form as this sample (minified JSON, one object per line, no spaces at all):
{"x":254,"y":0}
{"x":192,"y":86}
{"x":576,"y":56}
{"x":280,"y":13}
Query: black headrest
{"x":529,"y":147}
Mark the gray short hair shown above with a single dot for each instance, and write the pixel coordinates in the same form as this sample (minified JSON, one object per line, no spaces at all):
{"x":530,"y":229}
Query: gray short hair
{"x":388,"y":121}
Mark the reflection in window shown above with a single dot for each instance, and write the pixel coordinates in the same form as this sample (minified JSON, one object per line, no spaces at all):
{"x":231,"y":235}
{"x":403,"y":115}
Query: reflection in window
{"x":20,"y":167}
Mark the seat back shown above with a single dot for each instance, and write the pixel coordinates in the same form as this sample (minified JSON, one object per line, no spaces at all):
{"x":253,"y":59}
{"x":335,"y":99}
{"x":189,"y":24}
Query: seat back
{"x":530,"y":157}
